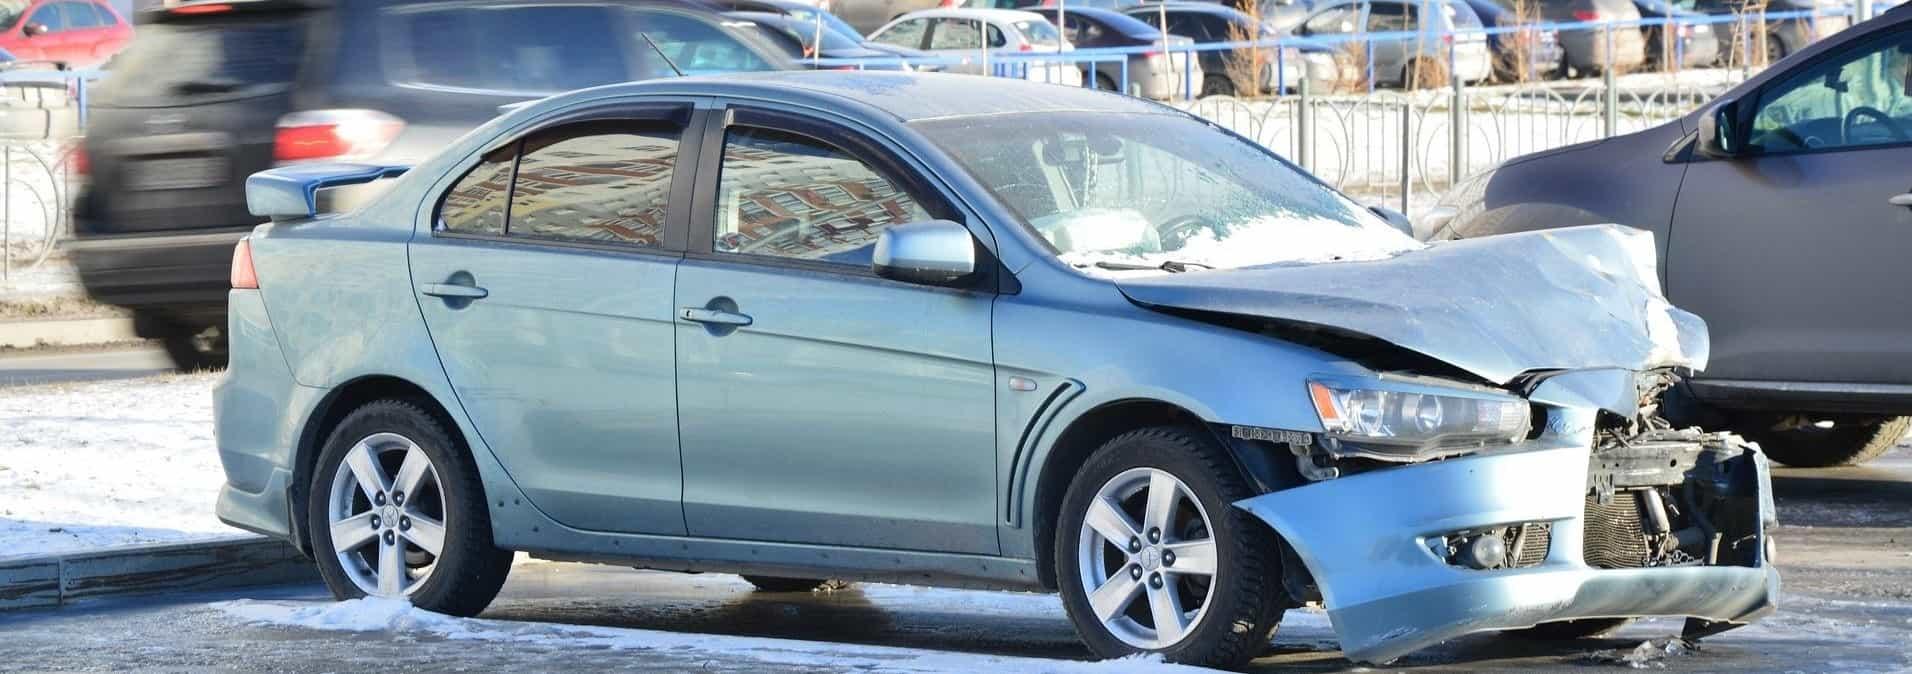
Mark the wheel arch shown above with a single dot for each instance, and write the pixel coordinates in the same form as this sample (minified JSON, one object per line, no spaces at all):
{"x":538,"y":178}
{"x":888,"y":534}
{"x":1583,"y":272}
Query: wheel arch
{"x":1072,"y":447}
{"x":326,"y":416}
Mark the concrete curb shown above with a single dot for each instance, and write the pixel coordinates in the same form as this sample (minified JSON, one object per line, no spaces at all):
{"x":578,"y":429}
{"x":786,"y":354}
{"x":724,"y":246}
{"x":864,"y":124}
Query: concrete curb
{"x":149,"y":569}
{"x":65,"y":332}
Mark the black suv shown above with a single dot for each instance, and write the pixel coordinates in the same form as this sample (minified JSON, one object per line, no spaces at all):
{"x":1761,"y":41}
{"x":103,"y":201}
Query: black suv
{"x":211,"y":92}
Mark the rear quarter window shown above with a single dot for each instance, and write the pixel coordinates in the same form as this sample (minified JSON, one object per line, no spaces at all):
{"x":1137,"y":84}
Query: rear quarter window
{"x":517,"y":49}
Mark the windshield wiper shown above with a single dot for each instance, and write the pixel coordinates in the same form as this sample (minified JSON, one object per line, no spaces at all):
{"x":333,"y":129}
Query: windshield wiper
{"x":1175,"y":266}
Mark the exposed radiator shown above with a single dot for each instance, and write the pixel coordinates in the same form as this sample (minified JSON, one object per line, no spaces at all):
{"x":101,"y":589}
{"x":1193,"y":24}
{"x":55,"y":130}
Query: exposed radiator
{"x":1613,"y":536}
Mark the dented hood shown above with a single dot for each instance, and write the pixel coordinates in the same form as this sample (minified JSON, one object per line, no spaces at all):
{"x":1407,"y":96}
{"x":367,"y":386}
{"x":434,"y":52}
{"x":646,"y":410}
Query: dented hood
{"x":1563,"y":299}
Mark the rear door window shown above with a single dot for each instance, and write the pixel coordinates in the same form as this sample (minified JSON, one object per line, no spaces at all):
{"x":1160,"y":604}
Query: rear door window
{"x":79,"y":15}
{"x":601,"y":182}
{"x":906,"y":34}
{"x":956,"y":34}
{"x":518,"y":49}
{"x":181,"y":63}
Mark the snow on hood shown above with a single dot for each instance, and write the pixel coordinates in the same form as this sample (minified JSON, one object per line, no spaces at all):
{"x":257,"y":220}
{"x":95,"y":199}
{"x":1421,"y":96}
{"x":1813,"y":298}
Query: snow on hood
{"x":1576,"y":298}
{"x":1124,"y":236}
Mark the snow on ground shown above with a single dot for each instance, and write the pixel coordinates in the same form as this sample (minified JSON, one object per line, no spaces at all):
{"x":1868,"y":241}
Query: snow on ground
{"x":88,"y":465}
{"x":398,"y":618}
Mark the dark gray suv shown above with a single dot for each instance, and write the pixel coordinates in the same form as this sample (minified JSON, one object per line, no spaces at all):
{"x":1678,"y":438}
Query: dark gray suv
{"x":1783,"y":213}
{"x":211,"y":92}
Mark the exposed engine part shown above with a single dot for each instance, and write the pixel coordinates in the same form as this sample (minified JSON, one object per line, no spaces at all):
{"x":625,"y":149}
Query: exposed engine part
{"x":1510,"y":547}
{"x":1314,"y":463}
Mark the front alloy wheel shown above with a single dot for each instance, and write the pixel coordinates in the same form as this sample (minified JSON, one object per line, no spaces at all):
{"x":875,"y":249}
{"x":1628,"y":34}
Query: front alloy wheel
{"x":1153,"y":557}
{"x":1149,"y":579}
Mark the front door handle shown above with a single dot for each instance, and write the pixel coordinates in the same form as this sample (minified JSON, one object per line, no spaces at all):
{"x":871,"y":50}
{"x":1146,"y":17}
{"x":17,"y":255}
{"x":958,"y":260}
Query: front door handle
{"x":713,"y":316}
{"x":1901,"y":200}
{"x":454,"y":291}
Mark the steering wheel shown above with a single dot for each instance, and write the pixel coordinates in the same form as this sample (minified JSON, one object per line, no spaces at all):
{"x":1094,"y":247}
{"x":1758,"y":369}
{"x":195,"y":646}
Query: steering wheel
{"x":1179,"y":230}
{"x":1853,"y":115}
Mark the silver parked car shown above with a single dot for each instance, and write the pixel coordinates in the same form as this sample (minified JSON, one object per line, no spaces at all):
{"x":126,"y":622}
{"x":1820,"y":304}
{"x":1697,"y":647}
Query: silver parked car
{"x":1456,"y":38}
{"x":988,"y":42}
{"x":1784,"y":212}
{"x":1618,"y":44}
{"x":943,"y":330}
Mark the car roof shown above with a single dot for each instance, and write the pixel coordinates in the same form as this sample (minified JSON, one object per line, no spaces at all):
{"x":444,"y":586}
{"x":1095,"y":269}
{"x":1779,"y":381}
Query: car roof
{"x":1196,"y":7}
{"x":999,"y":15}
{"x":906,"y":97}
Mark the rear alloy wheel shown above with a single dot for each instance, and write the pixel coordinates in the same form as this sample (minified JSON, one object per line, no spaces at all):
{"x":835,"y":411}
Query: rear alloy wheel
{"x":782,"y":584}
{"x":1822,"y":441}
{"x":397,"y":512}
{"x":1152,"y":557}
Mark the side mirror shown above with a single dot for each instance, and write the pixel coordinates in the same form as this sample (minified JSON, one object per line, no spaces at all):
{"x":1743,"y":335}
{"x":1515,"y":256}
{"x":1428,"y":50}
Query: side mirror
{"x":933,"y":253}
{"x":1394,"y":218}
{"x":33,"y":29}
{"x":1716,"y":137}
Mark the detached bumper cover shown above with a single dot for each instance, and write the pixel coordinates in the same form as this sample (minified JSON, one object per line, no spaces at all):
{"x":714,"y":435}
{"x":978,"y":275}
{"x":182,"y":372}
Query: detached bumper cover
{"x":1364,"y":537}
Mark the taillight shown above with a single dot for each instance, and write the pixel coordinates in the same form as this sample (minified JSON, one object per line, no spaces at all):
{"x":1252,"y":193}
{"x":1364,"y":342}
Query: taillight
{"x":1585,"y":15}
{"x":243,"y":278}
{"x":1026,"y":47}
{"x":79,"y":163}
{"x":343,"y":135}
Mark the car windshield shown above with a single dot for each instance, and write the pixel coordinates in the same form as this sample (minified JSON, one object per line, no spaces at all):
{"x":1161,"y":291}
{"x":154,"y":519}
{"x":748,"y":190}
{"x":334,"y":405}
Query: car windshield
{"x":830,"y":21}
{"x":1132,"y":192}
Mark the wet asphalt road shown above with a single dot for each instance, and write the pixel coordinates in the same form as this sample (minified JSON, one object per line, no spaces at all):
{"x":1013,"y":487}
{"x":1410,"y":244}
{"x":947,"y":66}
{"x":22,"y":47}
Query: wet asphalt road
{"x":1846,"y":550}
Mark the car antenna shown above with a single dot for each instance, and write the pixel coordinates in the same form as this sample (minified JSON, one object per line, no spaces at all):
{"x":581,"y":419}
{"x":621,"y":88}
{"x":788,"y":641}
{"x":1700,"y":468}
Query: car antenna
{"x":660,"y":54}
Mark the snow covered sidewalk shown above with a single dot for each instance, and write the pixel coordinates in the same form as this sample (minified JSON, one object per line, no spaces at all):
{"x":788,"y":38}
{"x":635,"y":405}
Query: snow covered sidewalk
{"x":89,"y":465}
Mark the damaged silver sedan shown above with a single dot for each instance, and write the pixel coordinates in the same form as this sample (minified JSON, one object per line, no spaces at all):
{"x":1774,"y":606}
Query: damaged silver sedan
{"x":942,"y":330}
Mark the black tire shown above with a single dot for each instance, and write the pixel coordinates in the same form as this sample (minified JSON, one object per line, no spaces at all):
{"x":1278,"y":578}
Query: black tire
{"x":1850,"y":441}
{"x":470,"y":570}
{"x":1105,"y":83}
{"x":193,"y":350}
{"x":1247,"y":600}
{"x":1218,"y":85}
{"x":782,"y":584}
{"x":1569,"y":630}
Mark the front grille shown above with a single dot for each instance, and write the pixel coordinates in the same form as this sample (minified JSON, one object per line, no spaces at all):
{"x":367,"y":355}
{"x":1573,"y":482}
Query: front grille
{"x":1530,"y":543}
{"x":1613,"y":536}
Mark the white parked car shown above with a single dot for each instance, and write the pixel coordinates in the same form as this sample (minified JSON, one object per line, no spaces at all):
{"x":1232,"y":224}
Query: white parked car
{"x":989,"y":41}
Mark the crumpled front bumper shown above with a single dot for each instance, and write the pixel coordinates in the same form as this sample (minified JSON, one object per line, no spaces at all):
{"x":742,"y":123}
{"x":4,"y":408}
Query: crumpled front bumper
{"x":1365,"y":539}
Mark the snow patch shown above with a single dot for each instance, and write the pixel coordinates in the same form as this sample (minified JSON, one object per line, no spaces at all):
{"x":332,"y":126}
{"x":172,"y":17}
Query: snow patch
{"x":100,"y":464}
{"x":1651,"y":654}
{"x":398,"y":617}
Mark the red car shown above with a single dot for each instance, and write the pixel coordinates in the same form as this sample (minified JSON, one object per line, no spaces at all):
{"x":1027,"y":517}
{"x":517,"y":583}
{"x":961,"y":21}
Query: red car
{"x":79,"y":33}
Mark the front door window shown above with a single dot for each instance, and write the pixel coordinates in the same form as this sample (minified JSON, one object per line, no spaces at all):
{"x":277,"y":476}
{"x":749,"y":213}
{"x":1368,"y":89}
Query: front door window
{"x":1855,"y":99}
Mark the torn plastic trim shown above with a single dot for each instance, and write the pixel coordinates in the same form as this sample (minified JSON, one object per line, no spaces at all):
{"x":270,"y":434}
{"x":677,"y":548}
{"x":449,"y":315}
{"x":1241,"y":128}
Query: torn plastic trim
{"x":1497,"y":307}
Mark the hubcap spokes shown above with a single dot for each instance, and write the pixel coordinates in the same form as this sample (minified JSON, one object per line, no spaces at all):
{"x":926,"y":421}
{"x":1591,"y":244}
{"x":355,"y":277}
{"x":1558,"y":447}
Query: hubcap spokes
{"x":387,"y":531}
{"x":1149,"y":580}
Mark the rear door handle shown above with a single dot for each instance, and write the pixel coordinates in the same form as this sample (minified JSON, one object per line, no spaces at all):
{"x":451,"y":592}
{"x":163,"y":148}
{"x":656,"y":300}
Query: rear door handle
{"x":713,"y":316}
{"x":453,"y":290}
{"x":1901,"y":200}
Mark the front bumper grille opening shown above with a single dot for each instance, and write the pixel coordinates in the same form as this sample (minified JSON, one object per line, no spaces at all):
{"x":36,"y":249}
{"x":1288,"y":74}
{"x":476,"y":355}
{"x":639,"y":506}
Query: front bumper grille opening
{"x":1614,"y":537}
{"x":1528,"y":543}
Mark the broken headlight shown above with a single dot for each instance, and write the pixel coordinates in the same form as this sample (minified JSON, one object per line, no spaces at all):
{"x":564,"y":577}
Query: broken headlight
{"x":1397,"y":420}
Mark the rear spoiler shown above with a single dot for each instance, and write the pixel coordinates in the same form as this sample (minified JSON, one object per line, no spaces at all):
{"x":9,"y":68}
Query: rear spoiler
{"x":292,"y":192}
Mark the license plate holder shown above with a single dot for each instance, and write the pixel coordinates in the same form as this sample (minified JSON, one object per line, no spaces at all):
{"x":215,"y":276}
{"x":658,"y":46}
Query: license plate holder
{"x":176,"y":173}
